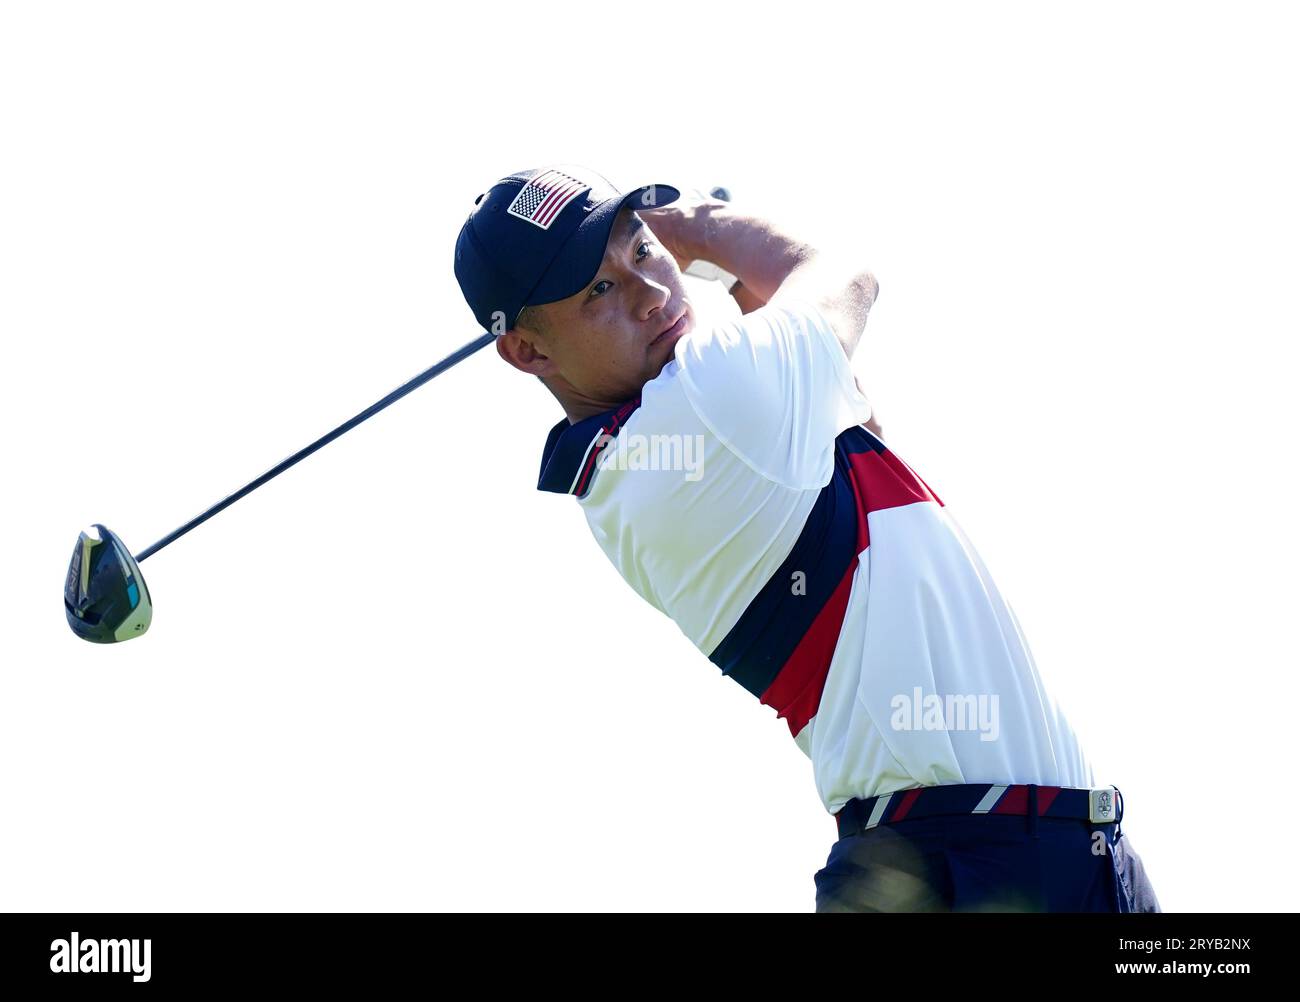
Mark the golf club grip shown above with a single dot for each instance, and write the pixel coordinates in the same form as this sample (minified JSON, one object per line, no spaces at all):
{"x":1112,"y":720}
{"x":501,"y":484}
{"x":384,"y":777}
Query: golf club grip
{"x":456,"y":356}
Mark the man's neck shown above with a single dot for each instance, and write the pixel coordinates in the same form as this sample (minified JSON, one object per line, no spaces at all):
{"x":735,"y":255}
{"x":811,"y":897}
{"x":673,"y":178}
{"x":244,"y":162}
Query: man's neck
{"x":579,"y":407}
{"x":581,"y":413}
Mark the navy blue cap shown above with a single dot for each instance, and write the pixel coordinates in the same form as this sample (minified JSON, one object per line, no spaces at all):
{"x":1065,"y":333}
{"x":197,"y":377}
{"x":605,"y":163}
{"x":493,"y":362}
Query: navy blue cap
{"x":539,"y":236}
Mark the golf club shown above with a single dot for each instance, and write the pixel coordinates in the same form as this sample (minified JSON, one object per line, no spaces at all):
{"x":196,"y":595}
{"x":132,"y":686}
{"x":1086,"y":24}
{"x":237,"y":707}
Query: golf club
{"x":105,"y":595}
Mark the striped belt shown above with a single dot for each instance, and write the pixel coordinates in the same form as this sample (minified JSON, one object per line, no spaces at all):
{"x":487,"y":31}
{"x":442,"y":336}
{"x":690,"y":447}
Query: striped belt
{"x":1100,"y":805}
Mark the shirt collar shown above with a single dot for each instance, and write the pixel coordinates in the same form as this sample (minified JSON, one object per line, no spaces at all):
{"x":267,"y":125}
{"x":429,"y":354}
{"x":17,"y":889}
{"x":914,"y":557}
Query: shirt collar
{"x":571,"y":450}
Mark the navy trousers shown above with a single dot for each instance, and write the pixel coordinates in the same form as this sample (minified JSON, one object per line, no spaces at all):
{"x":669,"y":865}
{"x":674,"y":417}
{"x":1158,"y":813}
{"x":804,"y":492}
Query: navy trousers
{"x":985,"y":863}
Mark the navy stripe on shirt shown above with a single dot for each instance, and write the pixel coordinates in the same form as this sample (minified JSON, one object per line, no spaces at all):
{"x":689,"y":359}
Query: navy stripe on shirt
{"x":759,"y":645}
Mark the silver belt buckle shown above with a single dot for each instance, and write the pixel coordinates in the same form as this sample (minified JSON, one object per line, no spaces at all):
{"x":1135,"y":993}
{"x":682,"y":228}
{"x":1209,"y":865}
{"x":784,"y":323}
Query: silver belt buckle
{"x":1101,"y":805}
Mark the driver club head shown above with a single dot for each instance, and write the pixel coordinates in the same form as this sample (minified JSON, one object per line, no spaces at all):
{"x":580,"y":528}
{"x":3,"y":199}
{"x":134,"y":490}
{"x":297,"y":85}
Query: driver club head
{"x":105,"y":596}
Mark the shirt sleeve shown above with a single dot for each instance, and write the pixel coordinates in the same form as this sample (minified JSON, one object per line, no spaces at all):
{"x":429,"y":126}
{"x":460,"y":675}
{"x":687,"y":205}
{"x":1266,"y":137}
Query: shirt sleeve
{"x":775,"y":387}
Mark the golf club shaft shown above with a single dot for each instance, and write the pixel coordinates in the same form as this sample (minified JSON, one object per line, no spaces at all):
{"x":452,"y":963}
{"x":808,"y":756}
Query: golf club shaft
{"x":456,"y":356}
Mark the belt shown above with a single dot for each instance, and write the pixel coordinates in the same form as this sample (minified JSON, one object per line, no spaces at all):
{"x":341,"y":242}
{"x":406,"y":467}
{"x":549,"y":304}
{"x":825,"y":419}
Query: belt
{"x":1099,"y":805}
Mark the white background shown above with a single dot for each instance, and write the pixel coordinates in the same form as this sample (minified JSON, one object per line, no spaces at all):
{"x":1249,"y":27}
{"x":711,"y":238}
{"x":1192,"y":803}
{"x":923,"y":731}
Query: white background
{"x":401,"y":678}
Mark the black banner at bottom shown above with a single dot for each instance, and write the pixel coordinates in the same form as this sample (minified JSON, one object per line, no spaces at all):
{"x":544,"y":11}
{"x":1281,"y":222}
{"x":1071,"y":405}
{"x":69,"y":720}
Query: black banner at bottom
{"x":625,"y":952}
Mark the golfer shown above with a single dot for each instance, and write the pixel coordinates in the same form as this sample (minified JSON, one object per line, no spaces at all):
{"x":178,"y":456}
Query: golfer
{"x":731,"y":471}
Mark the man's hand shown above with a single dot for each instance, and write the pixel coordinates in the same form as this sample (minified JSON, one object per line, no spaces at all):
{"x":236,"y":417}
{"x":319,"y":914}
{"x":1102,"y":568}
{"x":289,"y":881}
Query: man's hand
{"x":680,"y":226}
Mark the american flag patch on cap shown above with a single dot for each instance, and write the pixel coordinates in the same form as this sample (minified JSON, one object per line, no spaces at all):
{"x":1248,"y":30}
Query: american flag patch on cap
{"x":545,"y":195}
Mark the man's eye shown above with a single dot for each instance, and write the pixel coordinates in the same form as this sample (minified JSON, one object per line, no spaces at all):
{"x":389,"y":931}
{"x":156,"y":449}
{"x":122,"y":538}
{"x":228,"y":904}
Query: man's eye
{"x":643,"y":245}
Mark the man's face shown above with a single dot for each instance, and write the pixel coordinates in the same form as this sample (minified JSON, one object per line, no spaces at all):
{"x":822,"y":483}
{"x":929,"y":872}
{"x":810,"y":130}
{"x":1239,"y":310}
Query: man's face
{"x":601,"y":345}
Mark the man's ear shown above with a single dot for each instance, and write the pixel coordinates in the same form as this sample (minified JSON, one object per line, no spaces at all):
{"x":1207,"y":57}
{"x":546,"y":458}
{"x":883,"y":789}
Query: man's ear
{"x":519,"y":347}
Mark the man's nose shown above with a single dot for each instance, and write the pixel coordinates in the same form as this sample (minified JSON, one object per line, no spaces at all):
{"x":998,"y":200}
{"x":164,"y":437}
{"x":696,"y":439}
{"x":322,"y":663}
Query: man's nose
{"x":654,"y":296}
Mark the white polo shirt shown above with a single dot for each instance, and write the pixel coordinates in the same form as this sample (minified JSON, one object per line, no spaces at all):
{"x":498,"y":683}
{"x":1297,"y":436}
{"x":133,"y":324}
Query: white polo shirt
{"x":741,"y":496}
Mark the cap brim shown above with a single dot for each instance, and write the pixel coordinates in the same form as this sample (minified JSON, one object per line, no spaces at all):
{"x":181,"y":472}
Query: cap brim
{"x":580,"y":257}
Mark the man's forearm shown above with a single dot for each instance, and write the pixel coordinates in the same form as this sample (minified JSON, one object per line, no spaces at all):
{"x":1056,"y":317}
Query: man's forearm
{"x":754,"y":249}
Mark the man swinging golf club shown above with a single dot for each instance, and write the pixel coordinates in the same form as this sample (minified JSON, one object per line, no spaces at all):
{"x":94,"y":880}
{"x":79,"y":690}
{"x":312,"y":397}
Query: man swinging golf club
{"x":762,"y":511}
{"x":799,"y":553}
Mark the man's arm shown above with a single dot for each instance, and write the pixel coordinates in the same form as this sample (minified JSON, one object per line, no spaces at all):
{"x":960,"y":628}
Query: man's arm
{"x":766,"y":259}
{"x":755,"y":248}
{"x":746,"y":300}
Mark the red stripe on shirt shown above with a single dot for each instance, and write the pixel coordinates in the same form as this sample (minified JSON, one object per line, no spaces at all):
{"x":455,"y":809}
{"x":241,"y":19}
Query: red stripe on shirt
{"x":796,"y":692}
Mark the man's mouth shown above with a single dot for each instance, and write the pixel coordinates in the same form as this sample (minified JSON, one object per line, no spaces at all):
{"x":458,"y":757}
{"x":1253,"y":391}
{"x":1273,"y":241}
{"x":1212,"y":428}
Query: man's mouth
{"x":675,"y":328}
